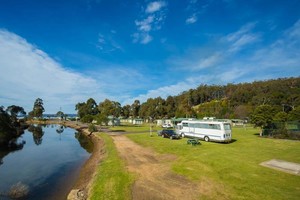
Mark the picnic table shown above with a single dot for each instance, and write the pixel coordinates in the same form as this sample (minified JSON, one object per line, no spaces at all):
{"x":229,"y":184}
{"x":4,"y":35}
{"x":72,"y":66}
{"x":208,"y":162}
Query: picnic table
{"x":193,"y":141}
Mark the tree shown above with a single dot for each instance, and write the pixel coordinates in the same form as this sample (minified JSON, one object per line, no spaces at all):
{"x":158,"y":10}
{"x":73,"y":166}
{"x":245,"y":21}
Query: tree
{"x":170,"y":107}
{"x":108,"y":107}
{"x":281,"y":117}
{"x":5,"y":122}
{"x":86,"y":108}
{"x":125,"y":112}
{"x":60,"y":114}
{"x":242,"y":111}
{"x":294,"y":115}
{"x":10,"y":127}
{"x":263,"y":116}
{"x":15,"y":110}
{"x":102,"y":119}
{"x":92,"y":128}
{"x":135,"y":108}
{"x":38,"y":108}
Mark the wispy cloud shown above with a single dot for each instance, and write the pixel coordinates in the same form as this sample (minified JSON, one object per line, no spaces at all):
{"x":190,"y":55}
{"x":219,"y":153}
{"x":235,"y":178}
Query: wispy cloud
{"x":155,"y":6}
{"x":107,"y":43}
{"x":165,"y":91}
{"x":242,"y":37}
{"x":153,"y":18}
{"x":28,"y":73}
{"x":192,"y":19}
{"x":195,"y":8}
{"x":282,"y":53}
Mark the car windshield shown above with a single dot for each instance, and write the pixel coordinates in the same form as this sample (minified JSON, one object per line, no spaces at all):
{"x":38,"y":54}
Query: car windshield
{"x":169,"y":131}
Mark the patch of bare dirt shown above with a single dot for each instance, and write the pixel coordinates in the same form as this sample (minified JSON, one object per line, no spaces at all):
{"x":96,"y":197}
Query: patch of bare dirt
{"x":155,"y":180}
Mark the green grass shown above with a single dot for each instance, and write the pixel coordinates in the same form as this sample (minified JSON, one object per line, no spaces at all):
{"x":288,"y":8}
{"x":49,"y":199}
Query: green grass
{"x":135,"y":128}
{"x":113,"y":181}
{"x":233,"y":169}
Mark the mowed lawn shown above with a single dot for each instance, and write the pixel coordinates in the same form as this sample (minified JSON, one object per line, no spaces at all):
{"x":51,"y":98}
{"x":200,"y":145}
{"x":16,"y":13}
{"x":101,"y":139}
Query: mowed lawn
{"x":232,"y":171}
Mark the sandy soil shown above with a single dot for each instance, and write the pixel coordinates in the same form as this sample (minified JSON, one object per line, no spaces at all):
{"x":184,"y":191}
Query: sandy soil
{"x":155,"y":180}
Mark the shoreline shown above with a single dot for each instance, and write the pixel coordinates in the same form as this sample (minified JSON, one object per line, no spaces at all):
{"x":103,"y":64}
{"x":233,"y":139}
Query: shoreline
{"x":83,"y":184}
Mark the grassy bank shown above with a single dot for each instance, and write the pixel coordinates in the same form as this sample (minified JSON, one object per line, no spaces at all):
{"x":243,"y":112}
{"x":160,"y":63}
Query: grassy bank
{"x":134,"y":128}
{"x":232,"y":171}
{"x":112,"y":180}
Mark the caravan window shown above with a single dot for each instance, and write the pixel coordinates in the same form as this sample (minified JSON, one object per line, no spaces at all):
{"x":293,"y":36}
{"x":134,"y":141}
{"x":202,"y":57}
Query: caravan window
{"x":192,"y":125}
{"x":185,"y":124}
{"x":227,"y":126}
{"x":215,"y":126}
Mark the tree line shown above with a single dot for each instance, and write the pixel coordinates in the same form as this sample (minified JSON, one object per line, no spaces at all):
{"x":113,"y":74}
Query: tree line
{"x":221,"y":101}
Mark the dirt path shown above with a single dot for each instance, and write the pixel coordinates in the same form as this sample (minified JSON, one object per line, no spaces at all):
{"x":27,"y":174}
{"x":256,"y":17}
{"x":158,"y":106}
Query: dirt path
{"x":155,"y":180}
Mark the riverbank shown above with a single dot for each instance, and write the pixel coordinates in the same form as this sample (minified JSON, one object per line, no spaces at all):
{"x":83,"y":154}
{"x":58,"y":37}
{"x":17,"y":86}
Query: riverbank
{"x":82,"y":186}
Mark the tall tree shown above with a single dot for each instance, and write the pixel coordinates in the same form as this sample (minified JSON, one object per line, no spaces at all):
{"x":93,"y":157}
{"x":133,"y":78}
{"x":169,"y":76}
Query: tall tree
{"x":108,"y":107}
{"x":86,"y":108}
{"x":14,"y":111}
{"x":135,"y":108}
{"x":263,"y":116}
{"x":125,"y":111}
{"x":38,"y":108}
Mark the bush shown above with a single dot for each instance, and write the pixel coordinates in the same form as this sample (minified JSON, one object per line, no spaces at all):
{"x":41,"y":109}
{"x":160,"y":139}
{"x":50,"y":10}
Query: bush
{"x":92,"y":128}
{"x":87,"y":119}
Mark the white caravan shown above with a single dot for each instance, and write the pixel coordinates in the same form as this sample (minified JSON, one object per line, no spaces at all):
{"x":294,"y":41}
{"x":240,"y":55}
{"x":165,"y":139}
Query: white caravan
{"x":206,"y":130}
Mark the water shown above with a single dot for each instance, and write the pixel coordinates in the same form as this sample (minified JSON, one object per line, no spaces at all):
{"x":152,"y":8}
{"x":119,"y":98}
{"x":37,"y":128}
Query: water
{"x":46,"y":162}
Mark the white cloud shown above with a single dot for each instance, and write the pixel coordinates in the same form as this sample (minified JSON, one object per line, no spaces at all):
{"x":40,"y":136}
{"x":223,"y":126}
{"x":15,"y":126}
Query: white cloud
{"x":243,"y":30}
{"x":155,"y":6}
{"x":143,"y":38}
{"x":166,"y":91}
{"x":282,"y":53}
{"x":209,"y":61}
{"x":243,"y":37}
{"x":191,"y":20}
{"x":152,"y":20}
{"x":294,"y":31}
{"x":145,"y":25}
{"x":28,"y":73}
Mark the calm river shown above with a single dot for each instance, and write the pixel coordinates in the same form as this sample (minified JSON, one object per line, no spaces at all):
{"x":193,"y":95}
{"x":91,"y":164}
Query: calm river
{"x":45,"y":164}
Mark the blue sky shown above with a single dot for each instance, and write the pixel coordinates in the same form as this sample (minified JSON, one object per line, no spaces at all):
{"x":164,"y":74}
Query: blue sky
{"x":66,"y":51}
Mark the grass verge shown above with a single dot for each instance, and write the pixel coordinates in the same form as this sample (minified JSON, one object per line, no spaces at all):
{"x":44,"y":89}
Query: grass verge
{"x":233,"y":169}
{"x":113,"y":181}
{"x":135,"y":128}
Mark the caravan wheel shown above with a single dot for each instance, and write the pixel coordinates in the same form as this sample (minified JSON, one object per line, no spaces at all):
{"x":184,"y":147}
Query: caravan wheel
{"x":206,"y":139}
{"x":182,"y":135}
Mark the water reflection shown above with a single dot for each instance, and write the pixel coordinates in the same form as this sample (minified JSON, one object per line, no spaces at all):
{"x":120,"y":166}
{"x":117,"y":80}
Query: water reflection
{"x":60,"y":130}
{"x":84,"y":142}
{"x":42,"y":163}
{"x":37,"y":133}
{"x":14,"y":145}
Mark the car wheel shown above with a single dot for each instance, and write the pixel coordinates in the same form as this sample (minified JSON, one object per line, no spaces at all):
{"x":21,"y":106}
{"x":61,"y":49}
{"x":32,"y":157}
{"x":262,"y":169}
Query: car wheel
{"x":171,"y":137}
{"x":162,"y":135}
{"x":182,"y":135}
{"x":206,"y":138}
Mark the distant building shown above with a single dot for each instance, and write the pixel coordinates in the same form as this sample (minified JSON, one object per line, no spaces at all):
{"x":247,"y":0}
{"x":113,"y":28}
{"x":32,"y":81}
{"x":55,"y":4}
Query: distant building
{"x":137,"y":121}
{"x":113,"y":121}
{"x":161,"y":122}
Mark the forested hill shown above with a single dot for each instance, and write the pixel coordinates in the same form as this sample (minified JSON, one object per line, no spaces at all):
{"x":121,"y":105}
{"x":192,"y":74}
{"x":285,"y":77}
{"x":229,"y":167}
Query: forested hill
{"x":220,"y":101}
{"x":238,"y":100}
